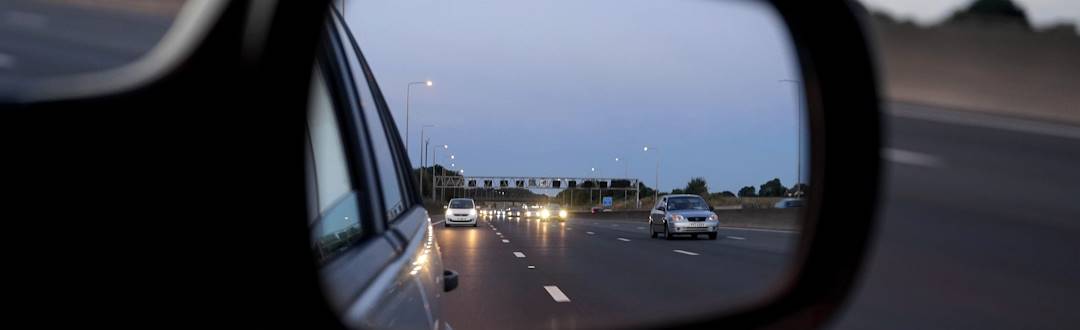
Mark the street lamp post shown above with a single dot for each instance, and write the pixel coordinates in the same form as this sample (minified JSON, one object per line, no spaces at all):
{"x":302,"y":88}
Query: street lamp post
{"x":434,"y":161}
{"x":626,"y":176}
{"x":798,"y":133}
{"x":656,"y":190}
{"x":423,"y":153}
{"x":408,"y":94}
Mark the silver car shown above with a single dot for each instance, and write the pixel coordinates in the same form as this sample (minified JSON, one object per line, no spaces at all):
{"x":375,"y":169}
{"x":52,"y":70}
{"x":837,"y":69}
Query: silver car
{"x":683,"y":214}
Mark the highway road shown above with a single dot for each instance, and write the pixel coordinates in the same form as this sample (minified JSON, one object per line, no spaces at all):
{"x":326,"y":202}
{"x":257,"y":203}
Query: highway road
{"x":40,"y":39}
{"x":978,"y":230}
{"x":609,"y":272}
{"x":980,"y":226}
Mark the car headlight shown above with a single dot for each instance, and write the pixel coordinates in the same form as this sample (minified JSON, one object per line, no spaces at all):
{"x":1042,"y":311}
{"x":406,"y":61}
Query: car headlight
{"x":528,"y":213}
{"x":714,"y":217}
{"x":448,"y":213}
{"x":472,"y":211}
{"x":562,"y":213}
{"x":677,"y":218}
{"x":545,"y":213}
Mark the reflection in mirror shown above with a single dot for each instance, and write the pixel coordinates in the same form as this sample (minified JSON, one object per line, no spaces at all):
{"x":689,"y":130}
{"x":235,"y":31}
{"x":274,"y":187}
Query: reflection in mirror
{"x":607,"y":109}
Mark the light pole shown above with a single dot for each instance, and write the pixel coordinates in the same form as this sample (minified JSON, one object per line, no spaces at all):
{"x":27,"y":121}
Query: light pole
{"x":656,"y":191}
{"x":423,"y":153}
{"x":626,"y":176}
{"x":798,"y":133}
{"x":434,"y":161}
{"x":596,"y":182}
{"x":408,"y":94}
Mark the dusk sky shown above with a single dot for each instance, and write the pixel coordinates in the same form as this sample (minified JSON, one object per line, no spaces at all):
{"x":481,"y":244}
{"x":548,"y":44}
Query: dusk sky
{"x":554,"y":88}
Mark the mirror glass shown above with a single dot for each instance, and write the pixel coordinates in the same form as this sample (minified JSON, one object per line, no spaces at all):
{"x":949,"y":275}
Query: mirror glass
{"x":601,"y":107}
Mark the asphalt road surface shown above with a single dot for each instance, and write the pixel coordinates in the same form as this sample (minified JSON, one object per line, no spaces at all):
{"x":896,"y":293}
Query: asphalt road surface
{"x":980,"y":226}
{"x":979,"y":229}
{"x":600,"y":273}
{"x":40,"y":39}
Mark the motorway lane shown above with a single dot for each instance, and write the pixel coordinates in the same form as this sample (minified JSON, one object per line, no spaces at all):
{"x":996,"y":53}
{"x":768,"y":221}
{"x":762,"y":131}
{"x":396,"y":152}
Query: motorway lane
{"x":615,"y":276}
{"x":984,"y":235}
{"x":42,"y":39}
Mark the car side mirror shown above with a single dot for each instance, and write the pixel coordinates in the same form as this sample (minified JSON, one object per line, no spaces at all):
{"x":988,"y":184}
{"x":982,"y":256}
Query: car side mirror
{"x":664,"y":209}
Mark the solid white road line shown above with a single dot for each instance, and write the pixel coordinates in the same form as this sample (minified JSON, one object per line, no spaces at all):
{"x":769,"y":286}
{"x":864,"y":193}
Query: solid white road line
{"x":685,"y":252}
{"x":623,"y":239}
{"x":556,"y":294}
{"x":506,"y":241}
{"x":519,"y":254}
{"x":736,"y":237}
{"x":24,"y":19}
{"x":590,"y":233}
{"x":911,"y":158}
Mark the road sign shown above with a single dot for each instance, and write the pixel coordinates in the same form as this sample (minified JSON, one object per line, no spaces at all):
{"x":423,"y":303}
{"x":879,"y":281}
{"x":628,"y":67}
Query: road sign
{"x":607,"y":201}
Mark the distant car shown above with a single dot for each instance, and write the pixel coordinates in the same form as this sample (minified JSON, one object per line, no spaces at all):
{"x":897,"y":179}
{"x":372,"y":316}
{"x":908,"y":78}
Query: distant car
{"x":532,"y":212}
{"x":788,"y":203}
{"x":683,"y":214}
{"x":596,"y":209}
{"x":461,"y":211}
{"x":514,"y":212}
{"x":553,"y":211}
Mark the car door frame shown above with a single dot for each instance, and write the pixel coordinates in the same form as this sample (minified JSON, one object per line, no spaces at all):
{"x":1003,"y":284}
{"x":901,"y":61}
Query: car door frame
{"x":411,"y":229}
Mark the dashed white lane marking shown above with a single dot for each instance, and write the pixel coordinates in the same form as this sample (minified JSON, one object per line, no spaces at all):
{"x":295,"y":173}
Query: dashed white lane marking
{"x":623,"y":239}
{"x":736,"y":237}
{"x":685,"y":252}
{"x":614,"y":225}
{"x":438,"y":222}
{"x":24,"y":19}
{"x":506,"y":241}
{"x":568,"y":228}
{"x":519,"y":254}
{"x":640,"y":227}
{"x":590,"y":233}
{"x":911,"y":158}
{"x":6,"y":61}
{"x":556,"y":294}
{"x":532,"y":267}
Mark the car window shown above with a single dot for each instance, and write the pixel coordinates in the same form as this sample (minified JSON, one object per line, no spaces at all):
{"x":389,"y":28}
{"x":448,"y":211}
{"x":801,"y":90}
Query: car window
{"x":461,"y":204}
{"x":331,"y":170}
{"x":338,"y":223}
{"x":687,"y":203}
{"x":386,"y":163}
